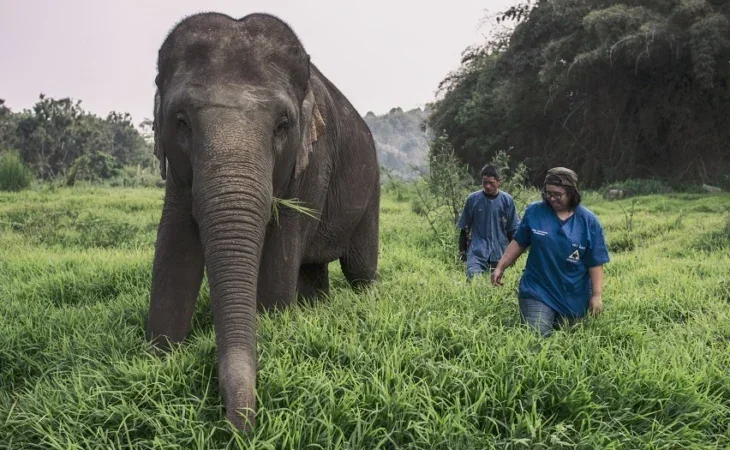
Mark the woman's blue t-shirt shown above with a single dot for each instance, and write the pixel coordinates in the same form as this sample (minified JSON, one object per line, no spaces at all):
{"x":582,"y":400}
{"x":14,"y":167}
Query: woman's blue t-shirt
{"x":561,"y":252}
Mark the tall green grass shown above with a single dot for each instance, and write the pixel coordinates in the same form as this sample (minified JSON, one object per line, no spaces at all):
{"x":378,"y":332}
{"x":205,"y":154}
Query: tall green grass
{"x":422,"y":360}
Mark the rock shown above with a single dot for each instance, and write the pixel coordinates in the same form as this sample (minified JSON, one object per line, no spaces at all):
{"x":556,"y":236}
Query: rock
{"x":709,"y":188}
{"x":615,"y":194}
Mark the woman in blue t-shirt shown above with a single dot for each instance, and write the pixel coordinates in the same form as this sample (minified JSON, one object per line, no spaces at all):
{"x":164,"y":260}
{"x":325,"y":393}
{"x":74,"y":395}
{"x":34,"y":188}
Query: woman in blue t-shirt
{"x":563,"y":277}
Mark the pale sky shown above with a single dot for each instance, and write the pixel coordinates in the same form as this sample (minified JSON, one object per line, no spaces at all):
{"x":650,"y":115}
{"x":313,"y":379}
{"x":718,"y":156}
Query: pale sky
{"x":380,"y":53}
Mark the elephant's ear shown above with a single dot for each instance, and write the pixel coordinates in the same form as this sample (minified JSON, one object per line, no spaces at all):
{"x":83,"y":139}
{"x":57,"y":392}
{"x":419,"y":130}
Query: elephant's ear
{"x":156,"y":123}
{"x":313,"y":129}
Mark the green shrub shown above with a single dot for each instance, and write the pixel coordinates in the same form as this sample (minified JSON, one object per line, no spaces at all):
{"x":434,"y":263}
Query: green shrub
{"x":14,"y":175}
{"x":514,"y":181}
{"x":136,"y":176}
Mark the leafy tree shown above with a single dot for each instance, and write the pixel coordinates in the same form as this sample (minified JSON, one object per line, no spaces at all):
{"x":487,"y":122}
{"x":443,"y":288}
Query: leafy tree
{"x":7,"y":127}
{"x":128,"y":146}
{"x":613,"y":89}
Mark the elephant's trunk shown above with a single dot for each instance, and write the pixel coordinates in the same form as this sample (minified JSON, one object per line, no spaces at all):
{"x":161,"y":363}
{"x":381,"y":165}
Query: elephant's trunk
{"x":232,"y":204}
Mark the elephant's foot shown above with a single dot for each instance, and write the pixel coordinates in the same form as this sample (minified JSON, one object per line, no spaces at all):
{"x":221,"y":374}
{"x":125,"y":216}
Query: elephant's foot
{"x":313,"y":281}
{"x":161,"y":343}
{"x":359,"y":276}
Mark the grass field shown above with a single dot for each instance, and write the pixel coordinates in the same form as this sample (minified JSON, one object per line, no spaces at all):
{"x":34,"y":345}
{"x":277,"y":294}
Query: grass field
{"x":423,"y":360}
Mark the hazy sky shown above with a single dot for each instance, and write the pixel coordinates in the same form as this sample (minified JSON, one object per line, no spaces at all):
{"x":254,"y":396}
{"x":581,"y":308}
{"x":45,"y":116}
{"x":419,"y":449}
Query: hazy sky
{"x":380,"y":53}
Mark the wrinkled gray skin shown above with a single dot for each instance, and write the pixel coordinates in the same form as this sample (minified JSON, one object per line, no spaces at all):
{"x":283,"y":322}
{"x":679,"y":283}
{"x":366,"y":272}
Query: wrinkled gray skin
{"x":241,"y":116}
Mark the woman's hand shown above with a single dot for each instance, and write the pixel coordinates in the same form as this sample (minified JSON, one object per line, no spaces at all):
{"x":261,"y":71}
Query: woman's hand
{"x":511,"y":254}
{"x":595,"y":305}
{"x":497,"y":276}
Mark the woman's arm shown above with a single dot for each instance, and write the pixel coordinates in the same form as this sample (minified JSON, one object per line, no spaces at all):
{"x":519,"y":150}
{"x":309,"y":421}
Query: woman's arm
{"x":595,"y":305}
{"x":513,"y":251}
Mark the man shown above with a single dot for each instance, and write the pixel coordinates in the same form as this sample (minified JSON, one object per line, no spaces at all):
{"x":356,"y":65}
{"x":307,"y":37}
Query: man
{"x":490,"y":216}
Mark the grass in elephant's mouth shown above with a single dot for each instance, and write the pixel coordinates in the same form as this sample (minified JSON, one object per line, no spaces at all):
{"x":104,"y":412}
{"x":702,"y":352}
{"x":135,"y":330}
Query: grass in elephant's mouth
{"x":424,"y":360}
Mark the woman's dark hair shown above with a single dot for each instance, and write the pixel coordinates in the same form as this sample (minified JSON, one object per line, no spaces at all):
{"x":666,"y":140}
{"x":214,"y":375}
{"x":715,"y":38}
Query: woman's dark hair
{"x":573,"y":194}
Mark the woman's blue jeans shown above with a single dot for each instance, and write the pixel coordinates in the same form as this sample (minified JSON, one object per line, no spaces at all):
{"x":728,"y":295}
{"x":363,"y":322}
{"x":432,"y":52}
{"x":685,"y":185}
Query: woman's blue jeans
{"x":541,"y":317}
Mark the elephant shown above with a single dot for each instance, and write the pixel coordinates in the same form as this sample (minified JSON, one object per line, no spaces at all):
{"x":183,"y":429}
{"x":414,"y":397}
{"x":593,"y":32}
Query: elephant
{"x":243,"y":118}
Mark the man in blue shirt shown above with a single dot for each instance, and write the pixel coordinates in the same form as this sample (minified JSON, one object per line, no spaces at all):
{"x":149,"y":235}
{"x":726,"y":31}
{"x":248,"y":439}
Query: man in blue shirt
{"x":563,"y":277}
{"x":490,"y":217}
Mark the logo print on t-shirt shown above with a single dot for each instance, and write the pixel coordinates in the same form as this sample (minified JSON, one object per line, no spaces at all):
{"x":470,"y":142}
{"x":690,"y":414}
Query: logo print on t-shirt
{"x":575,"y":256}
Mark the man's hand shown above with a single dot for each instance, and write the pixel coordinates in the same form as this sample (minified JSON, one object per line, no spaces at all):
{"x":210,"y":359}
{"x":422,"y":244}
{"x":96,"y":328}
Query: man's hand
{"x":595,"y":305}
{"x":462,"y":256}
{"x":497,"y":276}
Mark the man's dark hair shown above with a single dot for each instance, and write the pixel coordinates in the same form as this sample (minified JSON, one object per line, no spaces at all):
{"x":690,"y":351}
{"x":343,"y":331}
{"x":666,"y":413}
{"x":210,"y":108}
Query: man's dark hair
{"x":490,"y":171}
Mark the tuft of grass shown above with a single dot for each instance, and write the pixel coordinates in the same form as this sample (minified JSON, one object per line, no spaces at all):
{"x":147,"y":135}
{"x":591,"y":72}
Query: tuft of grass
{"x":294,"y":204}
{"x":422,"y":359}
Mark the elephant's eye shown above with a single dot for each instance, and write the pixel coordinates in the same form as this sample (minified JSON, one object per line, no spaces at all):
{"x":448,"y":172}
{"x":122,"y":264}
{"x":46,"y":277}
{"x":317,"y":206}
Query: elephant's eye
{"x":182,"y":121}
{"x":282,"y":126}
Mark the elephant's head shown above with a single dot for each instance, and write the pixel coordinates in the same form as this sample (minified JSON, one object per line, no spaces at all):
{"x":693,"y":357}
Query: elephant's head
{"x":235,"y":119}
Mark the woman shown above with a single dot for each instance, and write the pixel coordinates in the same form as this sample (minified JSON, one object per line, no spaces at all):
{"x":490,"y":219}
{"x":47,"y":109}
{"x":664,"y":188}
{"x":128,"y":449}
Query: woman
{"x":563,"y":277}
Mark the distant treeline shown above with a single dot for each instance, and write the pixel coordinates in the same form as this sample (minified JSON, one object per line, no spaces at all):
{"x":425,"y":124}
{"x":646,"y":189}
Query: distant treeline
{"x":612,"y":89}
{"x":57,"y":137}
{"x":400,"y":141}
{"x":616,"y":90}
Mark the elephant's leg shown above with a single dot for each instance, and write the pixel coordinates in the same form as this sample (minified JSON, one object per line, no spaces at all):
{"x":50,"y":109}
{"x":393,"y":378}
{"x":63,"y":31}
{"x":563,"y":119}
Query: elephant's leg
{"x":177,"y":269}
{"x":313,"y":281}
{"x":360,"y":262}
{"x":279,"y":268}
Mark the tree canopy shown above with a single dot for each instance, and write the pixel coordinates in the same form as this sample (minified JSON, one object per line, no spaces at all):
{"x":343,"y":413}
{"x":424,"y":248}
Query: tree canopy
{"x":612,"y":89}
